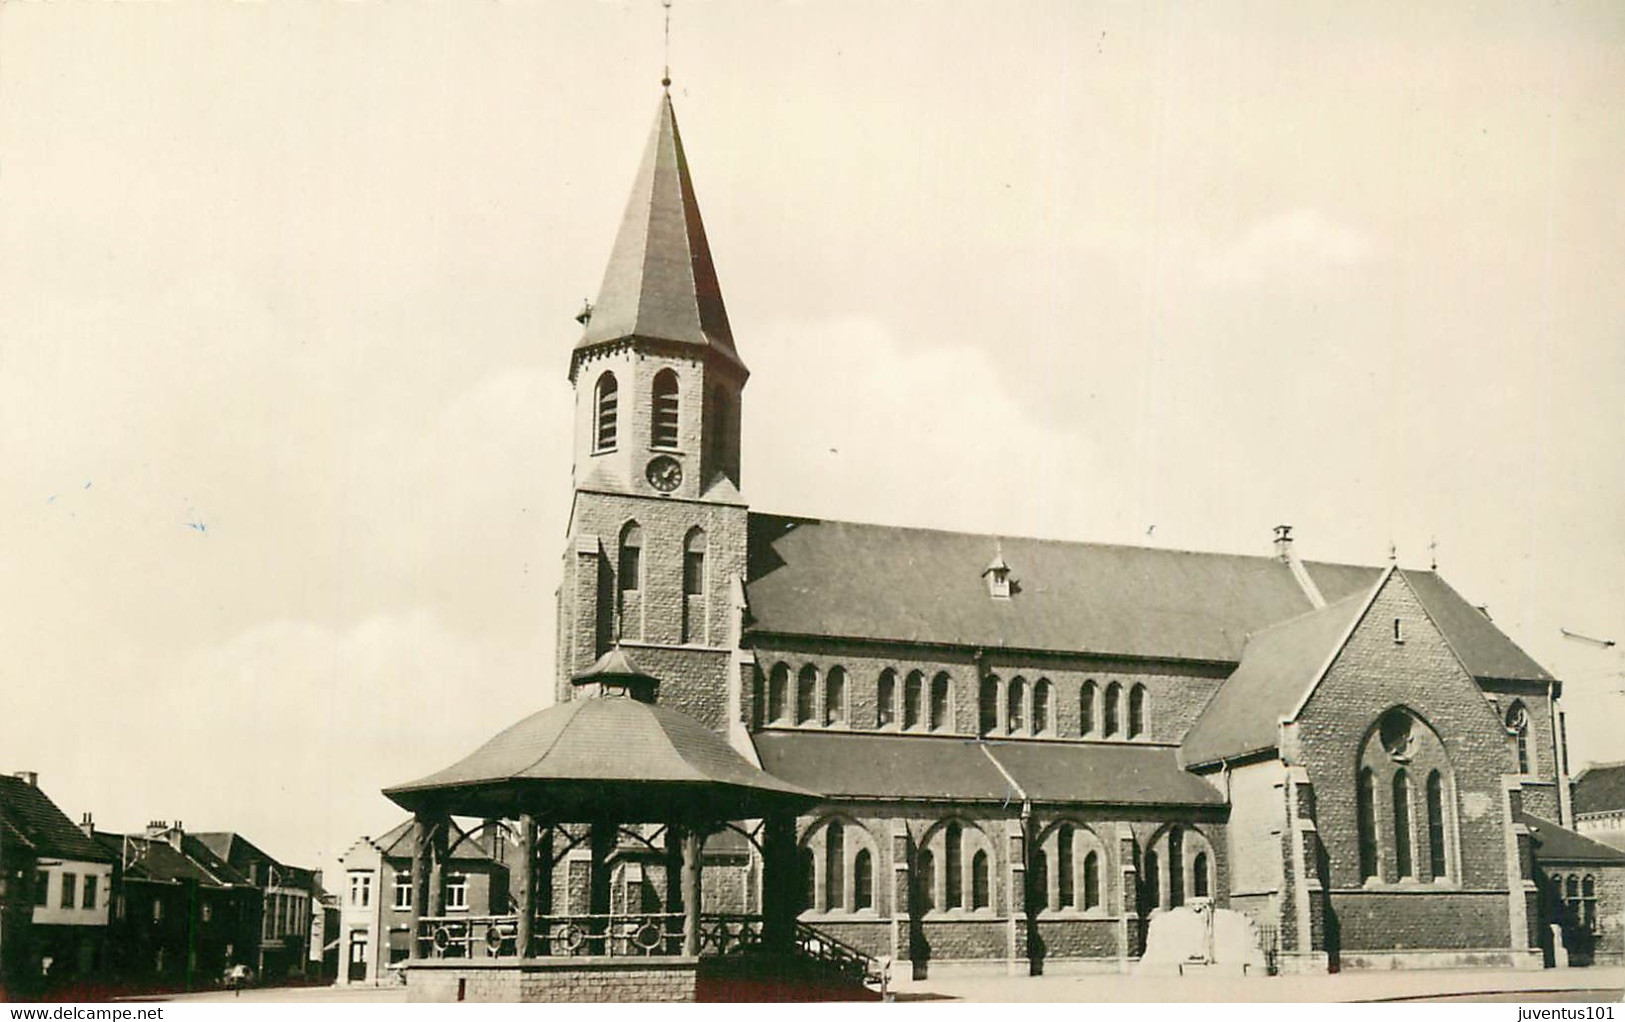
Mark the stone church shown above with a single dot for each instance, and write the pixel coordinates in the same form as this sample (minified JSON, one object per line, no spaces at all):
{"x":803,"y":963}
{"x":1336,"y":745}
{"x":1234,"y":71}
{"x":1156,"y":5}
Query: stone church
{"x":1029,"y":747}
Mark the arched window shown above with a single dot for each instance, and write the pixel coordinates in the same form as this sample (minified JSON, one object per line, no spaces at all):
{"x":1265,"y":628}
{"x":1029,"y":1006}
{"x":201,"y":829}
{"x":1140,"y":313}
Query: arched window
{"x":913,"y":692}
{"x":940,"y":707}
{"x":807,"y":695}
{"x":1040,"y":706}
{"x":1366,"y":812}
{"x":886,"y":692}
{"x":952,"y":863}
{"x":979,"y":893}
{"x":1114,"y":693}
{"x":694,"y":585}
{"x":758,"y":698}
{"x":1015,"y":705}
{"x":834,"y":867}
{"x":835,"y":696}
{"x":1151,"y":882}
{"x":1176,"y":867}
{"x":1136,"y":712}
{"x":663,"y":411}
{"x":1199,"y":876}
{"x":1086,"y":708}
{"x":987,"y":706}
{"x":1436,"y":858}
{"x":809,"y":878}
{"x":778,"y":685}
{"x":606,"y":396}
{"x":1588,"y":899}
{"x":925,"y":883}
{"x":863,"y":880}
{"x":631,"y":557}
{"x":1518,"y":727}
{"x":1091,"y":880}
{"x":1402,"y":826}
{"x":1065,"y":894}
{"x":1037,"y":879}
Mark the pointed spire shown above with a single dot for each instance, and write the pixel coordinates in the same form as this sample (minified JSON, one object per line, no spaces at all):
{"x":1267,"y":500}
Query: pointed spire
{"x":660,"y":283}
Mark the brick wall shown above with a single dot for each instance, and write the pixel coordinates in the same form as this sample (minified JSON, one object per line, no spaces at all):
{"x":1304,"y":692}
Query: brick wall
{"x":1372,"y":674}
{"x":602,"y":981}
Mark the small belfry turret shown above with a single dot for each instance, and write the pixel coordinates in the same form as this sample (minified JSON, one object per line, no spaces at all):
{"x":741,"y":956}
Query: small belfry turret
{"x":656,"y":373}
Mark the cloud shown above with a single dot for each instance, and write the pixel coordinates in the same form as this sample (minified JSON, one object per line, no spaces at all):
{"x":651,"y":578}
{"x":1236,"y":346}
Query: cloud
{"x":1290,"y":245}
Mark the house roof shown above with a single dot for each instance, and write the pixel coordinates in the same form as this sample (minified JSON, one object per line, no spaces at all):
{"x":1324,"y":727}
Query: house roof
{"x":31,"y":815}
{"x":1555,"y":844}
{"x":867,"y":765}
{"x":1277,"y":666}
{"x":837,"y":579}
{"x":661,"y":283}
{"x":154,"y":858}
{"x":397,"y":843}
{"x":580,"y":758}
{"x":1600,"y":789}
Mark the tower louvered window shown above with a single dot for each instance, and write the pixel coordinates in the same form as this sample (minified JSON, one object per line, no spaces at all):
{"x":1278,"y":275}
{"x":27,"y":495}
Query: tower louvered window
{"x":663,"y":428}
{"x":606,"y":413}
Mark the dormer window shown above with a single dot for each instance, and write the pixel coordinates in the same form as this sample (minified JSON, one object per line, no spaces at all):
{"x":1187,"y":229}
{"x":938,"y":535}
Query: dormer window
{"x":997,"y":574}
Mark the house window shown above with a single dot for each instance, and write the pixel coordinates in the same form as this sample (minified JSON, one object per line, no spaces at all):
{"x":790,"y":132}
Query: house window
{"x":457,"y":892}
{"x":1399,"y":630}
{"x":157,"y":910}
{"x":1015,"y":705}
{"x":809,"y":879}
{"x":1436,"y":857}
{"x":863,"y":880}
{"x":953,"y":862}
{"x":90,"y":892}
{"x":886,"y":713}
{"x":403,"y":889}
{"x":1086,"y":708}
{"x":834,"y":867}
{"x":1588,"y":903}
{"x":69,"y":886}
{"x":1114,"y":693}
{"x":1518,"y":726}
{"x":1040,"y":706}
{"x":1402,"y":826}
{"x":1136,"y":712}
{"x":360,"y":889}
{"x":606,"y":397}
{"x":979,"y":886}
{"x":835,"y":697}
{"x":778,"y":684}
{"x":987,"y":706}
{"x":807,"y":695}
{"x":42,"y":888}
{"x":206,"y":912}
{"x":1199,"y":875}
{"x":663,"y":414}
{"x":940,"y":706}
{"x":913,"y":695}
{"x":1366,"y":812}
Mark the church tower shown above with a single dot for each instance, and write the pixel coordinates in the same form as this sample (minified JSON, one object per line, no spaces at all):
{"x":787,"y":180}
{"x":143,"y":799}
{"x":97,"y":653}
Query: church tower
{"x":656,"y":552}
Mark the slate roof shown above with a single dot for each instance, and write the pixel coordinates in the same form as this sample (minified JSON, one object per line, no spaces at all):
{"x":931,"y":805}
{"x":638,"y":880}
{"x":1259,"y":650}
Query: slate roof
{"x":812,"y":577}
{"x":1600,"y":789}
{"x":396,"y":843}
{"x":1556,"y":844}
{"x":865,"y":765}
{"x":661,"y":283}
{"x":583,"y":755}
{"x":1277,"y":667}
{"x":155,"y":858}
{"x":30,"y":814}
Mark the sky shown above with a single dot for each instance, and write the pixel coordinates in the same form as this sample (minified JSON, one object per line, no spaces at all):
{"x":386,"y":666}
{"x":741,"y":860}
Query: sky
{"x":287,"y":295}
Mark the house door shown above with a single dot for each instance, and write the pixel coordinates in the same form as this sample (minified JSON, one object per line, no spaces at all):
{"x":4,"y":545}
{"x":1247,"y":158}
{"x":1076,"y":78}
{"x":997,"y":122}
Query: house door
{"x":358,"y":959}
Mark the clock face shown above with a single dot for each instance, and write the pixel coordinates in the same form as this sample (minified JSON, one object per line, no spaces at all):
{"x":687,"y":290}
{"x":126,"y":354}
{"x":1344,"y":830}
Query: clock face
{"x":665,"y":474}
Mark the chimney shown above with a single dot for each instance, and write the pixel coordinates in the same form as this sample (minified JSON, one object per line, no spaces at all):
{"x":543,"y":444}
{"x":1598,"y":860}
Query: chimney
{"x":87,"y":825}
{"x":160,"y":830}
{"x":1283,"y":543}
{"x":28,"y":777}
